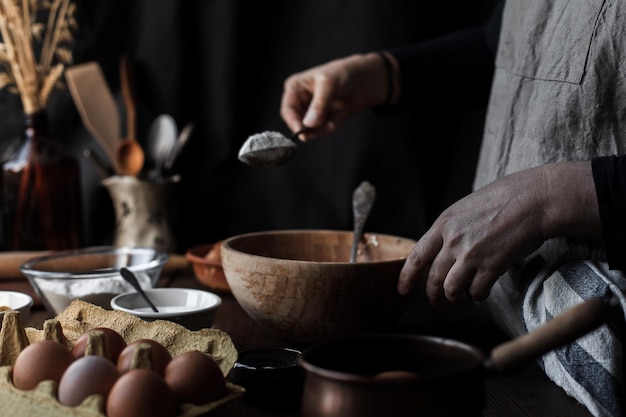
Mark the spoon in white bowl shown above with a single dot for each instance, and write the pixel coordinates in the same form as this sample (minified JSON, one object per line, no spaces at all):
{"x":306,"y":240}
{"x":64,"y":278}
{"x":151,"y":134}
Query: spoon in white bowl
{"x":130,"y":277}
{"x":362,"y":201}
{"x":269,"y":148}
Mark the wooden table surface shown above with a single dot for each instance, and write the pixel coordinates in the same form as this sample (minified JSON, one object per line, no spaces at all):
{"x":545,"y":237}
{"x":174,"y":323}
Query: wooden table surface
{"x":524,"y":394}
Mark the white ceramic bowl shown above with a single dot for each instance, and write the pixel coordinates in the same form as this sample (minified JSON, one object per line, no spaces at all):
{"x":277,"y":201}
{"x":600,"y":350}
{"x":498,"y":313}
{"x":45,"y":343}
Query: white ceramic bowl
{"x":16,"y":301}
{"x":91,"y":274}
{"x":194,"y":309}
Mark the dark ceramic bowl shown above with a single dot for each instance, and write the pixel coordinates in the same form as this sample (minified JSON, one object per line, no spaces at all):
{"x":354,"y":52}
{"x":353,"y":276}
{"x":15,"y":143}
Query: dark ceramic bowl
{"x":272,"y":377}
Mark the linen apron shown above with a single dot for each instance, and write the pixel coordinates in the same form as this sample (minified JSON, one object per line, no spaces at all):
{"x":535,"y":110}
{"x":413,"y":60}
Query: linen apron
{"x":559,"y":94}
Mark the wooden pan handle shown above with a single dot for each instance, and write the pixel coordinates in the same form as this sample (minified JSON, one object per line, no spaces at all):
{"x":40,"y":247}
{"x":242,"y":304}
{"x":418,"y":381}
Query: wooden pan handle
{"x":562,"y":330}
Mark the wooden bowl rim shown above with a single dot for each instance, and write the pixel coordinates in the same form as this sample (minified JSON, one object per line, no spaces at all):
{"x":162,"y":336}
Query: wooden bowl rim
{"x":227,"y":248}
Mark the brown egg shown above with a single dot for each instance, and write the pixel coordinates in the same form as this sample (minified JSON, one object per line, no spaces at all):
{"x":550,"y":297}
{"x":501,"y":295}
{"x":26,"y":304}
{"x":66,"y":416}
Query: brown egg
{"x":140,"y":393}
{"x":40,"y":361}
{"x":160,"y":356}
{"x":195,"y":377}
{"x":86,"y":376}
{"x":114,"y":343}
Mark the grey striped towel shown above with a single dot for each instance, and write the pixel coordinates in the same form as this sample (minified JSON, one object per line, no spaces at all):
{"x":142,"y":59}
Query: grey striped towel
{"x":591,"y":369}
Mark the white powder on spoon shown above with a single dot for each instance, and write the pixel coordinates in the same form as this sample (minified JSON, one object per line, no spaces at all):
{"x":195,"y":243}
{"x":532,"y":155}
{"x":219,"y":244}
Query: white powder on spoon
{"x":267,"y":149}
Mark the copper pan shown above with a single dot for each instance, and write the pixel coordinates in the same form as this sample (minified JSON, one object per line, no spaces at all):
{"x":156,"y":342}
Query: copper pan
{"x":350,"y":376}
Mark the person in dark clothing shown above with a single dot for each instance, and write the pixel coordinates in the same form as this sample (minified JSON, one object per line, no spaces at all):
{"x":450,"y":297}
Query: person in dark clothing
{"x":544,"y":227}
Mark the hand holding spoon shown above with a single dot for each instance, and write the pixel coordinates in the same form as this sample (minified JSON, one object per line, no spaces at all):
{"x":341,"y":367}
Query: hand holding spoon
{"x":269,"y":148}
{"x":362,"y":201}
{"x":130,"y":277}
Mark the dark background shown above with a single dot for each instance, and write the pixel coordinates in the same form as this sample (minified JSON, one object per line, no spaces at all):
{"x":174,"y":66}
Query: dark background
{"x":221,"y":64}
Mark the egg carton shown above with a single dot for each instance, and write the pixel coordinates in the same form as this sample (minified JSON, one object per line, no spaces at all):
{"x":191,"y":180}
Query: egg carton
{"x":76,"y":319}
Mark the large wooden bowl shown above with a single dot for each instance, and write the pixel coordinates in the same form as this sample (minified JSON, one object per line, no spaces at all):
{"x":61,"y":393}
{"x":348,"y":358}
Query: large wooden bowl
{"x":300,"y":283}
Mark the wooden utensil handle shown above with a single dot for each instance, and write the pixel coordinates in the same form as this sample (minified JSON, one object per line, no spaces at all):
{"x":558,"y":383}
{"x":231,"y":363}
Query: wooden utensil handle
{"x":559,"y":331}
{"x":127,"y":83}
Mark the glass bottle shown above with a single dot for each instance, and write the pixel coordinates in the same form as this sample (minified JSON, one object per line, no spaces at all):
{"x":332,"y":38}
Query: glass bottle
{"x":41,"y":197}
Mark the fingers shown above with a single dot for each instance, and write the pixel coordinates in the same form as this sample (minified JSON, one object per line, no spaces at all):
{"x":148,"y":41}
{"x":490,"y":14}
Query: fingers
{"x":445,"y":278}
{"x":317,"y":111}
{"x":418,"y":262}
{"x":455,"y":284}
{"x":306,"y":101}
{"x":294,"y":102}
{"x":461,"y":283}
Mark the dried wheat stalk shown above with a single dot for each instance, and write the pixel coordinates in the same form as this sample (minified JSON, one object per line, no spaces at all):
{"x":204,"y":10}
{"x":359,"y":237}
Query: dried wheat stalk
{"x":34,"y":79}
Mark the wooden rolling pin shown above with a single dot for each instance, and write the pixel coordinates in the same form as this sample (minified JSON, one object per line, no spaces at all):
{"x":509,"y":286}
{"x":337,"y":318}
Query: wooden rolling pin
{"x":10,"y":263}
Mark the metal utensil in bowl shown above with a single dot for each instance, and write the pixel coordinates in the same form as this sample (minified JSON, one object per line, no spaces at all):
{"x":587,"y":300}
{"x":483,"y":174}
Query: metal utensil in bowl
{"x":362,"y":201}
{"x":128,"y":275}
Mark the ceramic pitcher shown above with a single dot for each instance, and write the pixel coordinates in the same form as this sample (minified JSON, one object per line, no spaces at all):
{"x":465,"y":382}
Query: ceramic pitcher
{"x":141,"y":214}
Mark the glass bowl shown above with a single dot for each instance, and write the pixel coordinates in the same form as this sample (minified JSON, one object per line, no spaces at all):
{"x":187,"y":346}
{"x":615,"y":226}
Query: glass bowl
{"x":91,"y":274}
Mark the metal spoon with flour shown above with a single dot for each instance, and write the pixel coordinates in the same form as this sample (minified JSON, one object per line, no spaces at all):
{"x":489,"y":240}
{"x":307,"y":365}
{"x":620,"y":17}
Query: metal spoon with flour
{"x":362,"y":201}
{"x":269,"y":148}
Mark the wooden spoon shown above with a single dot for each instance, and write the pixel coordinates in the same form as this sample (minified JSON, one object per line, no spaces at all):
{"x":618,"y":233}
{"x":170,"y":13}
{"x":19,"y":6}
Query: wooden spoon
{"x":130,"y":155}
{"x":96,"y":106}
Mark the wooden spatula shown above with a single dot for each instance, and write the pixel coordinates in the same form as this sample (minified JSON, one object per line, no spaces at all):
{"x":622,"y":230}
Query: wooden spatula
{"x":96,"y":105}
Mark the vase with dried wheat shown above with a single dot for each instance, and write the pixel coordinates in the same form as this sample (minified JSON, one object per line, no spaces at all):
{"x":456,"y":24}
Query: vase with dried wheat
{"x":41,"y":188}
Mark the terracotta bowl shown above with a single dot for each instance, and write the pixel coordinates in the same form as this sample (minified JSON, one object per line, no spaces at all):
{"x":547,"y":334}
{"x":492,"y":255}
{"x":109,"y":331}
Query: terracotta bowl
{"x":208,"y":269}
{"x":300,"y":284}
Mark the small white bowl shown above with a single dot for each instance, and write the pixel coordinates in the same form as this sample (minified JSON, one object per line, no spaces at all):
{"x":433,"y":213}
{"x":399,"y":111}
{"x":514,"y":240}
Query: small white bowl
{"x":194,"y":309}
{"x":16,"y":301}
